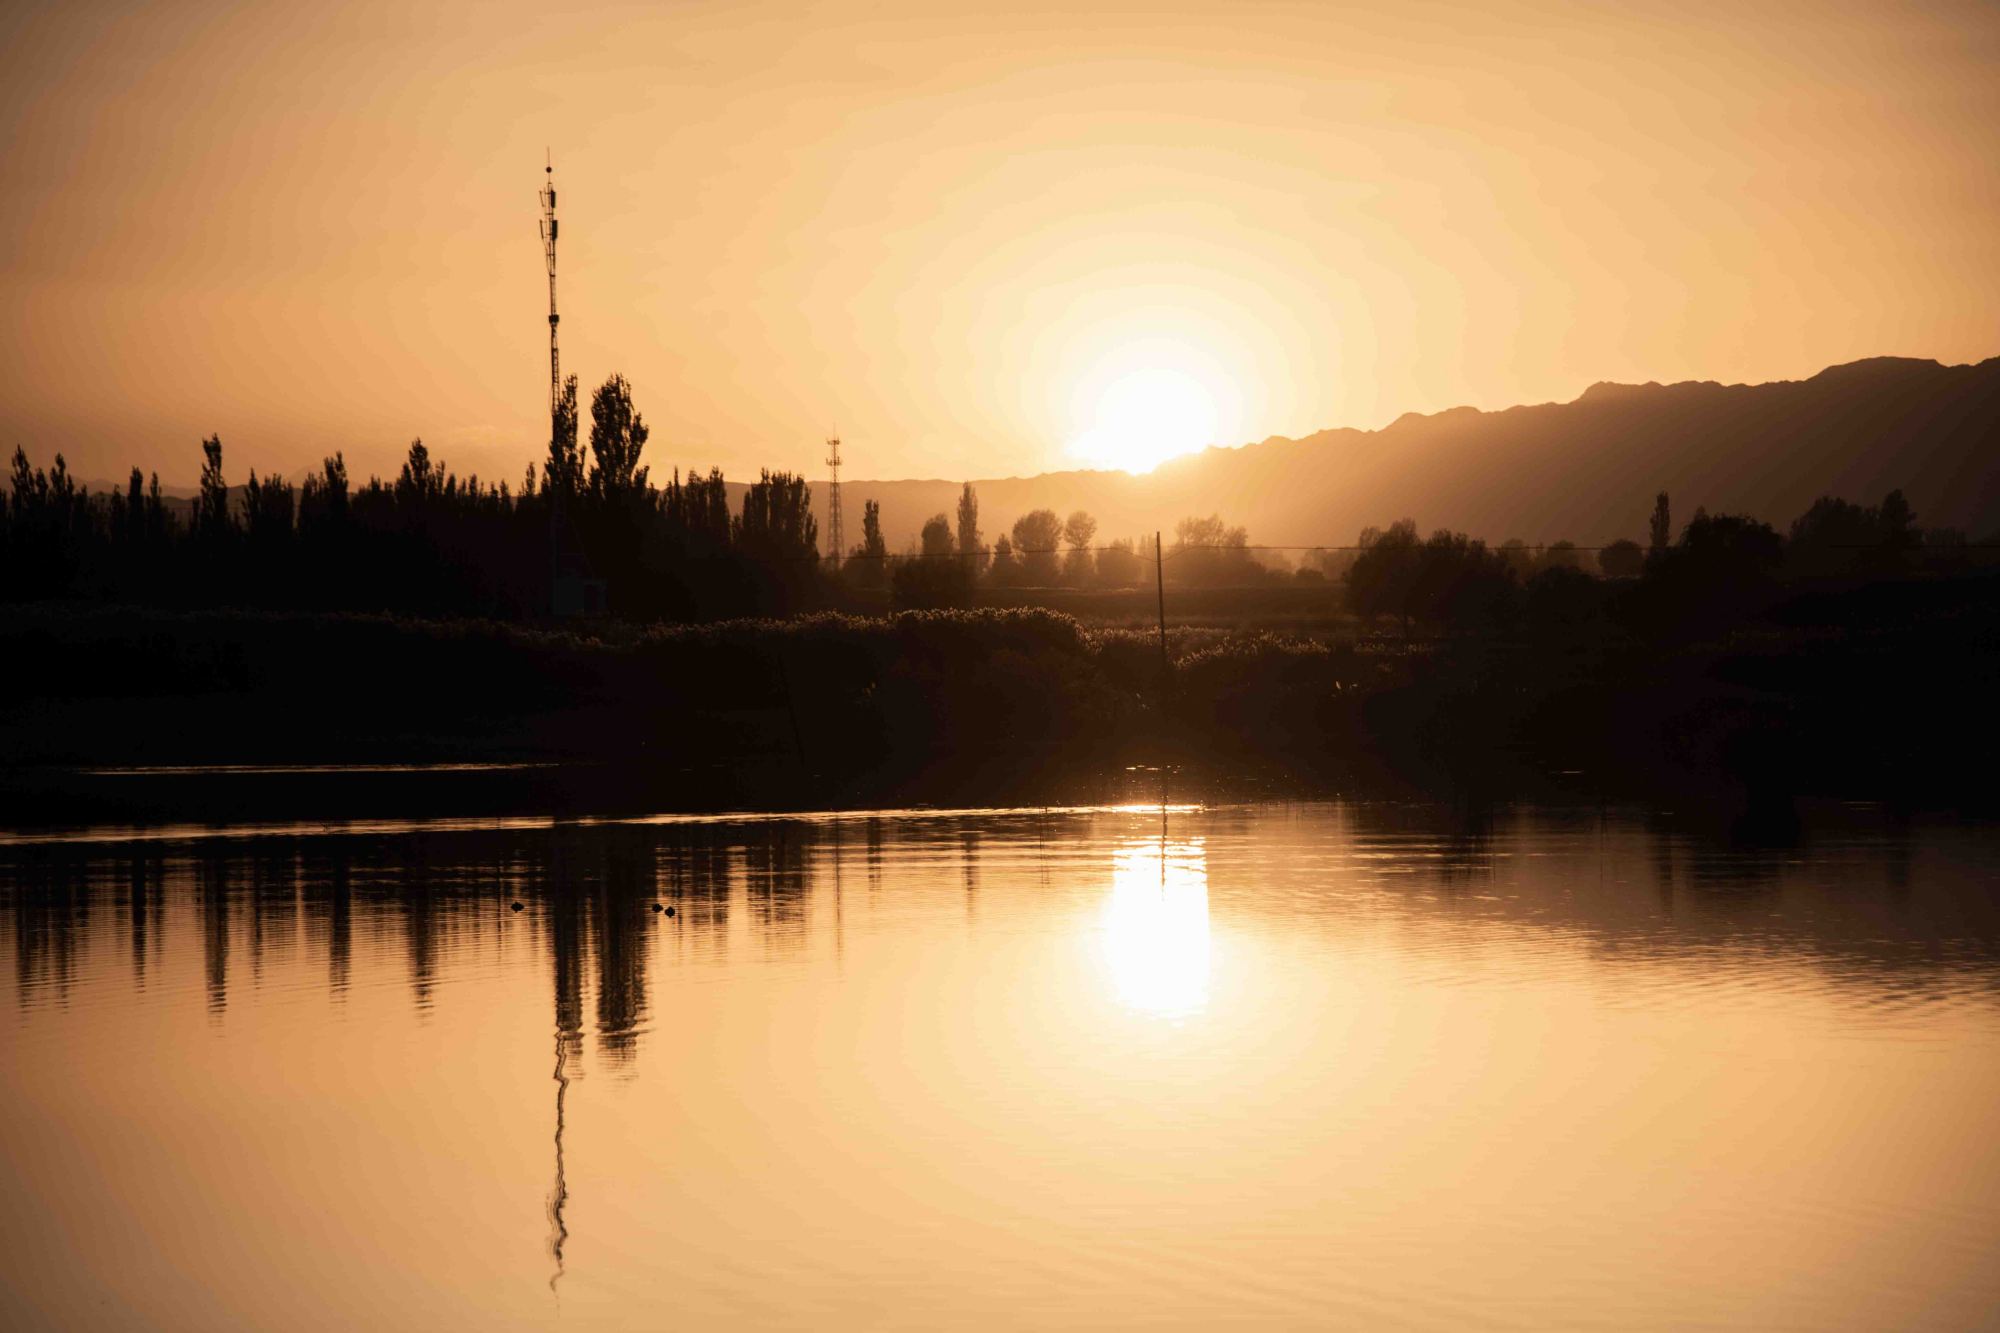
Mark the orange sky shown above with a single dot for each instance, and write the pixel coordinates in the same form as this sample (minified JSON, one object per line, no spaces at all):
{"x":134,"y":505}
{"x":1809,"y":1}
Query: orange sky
{"x":948,"y":231}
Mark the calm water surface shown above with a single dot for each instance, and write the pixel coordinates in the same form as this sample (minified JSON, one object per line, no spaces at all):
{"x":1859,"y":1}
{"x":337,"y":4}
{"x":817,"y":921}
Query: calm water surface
{"x":1285,"y":1066}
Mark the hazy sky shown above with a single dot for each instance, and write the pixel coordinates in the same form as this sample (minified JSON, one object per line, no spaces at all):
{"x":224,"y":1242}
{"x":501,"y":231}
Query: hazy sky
{"x":967,"y":238}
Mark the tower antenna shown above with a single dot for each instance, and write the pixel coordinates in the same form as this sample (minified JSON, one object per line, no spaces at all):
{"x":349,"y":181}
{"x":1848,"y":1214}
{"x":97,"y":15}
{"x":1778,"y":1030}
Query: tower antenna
{"x":835,"y":540}
{"x":549,"y":249}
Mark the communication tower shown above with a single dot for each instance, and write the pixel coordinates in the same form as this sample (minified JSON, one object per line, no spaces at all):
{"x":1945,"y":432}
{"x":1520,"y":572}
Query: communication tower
{"x":549,"y":249}
{"x":573,"y":589}
{"x":835,"y":540}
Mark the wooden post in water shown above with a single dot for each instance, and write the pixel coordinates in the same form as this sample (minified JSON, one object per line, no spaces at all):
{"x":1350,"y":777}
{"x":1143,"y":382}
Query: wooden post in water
{"x":1160,"y":587}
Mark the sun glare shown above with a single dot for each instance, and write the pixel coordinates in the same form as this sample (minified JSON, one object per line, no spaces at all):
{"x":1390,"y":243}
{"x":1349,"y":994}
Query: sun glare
{"x":1146,"y":416}
{"x":1154,"y":930}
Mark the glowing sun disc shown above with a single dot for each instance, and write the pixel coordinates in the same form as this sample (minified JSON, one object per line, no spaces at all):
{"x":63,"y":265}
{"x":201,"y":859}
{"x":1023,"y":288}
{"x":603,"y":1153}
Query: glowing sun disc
{"x":1147,"y":416}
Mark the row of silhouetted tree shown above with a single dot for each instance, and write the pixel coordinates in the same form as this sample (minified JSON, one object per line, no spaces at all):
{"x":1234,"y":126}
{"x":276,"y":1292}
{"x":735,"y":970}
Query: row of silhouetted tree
{"x":591,"y":530}
{"x":1720,"y":566}
{"x":1043,"y":549}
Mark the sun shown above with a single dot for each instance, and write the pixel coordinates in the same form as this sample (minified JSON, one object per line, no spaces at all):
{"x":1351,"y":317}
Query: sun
{"x":1146,"y":416}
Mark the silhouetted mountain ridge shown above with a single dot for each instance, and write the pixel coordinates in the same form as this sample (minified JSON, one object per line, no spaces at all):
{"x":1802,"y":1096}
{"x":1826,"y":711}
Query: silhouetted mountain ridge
{"x":1586,"y":470}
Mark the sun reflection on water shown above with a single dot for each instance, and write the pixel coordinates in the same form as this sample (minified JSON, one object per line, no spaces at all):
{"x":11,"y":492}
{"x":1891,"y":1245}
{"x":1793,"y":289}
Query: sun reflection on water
{"x":1155,"y":927}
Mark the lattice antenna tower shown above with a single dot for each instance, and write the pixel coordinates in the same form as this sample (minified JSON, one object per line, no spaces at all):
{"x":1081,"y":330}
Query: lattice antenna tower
{"x":836,"y":539}
{"x":549,"y":249}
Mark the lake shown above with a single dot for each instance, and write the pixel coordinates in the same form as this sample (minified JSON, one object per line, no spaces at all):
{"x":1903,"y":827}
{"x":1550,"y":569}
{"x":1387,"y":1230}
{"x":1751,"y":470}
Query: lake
{"x":1274,"y":1065}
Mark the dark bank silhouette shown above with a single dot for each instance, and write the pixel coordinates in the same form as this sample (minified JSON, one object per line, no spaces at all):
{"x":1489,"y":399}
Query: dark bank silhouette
{"x":1725,"y":666}
{"x":275,"y":630}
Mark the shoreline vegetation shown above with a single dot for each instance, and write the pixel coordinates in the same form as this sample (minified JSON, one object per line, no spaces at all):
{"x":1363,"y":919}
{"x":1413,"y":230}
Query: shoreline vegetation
{"x":610,"y":626}
{"x":1870,"y":689}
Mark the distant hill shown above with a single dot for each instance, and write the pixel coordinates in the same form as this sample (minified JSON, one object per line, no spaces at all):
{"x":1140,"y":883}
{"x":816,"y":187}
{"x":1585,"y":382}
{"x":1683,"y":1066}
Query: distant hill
{"x":1585,"y":470}
{"x":105,"y":486}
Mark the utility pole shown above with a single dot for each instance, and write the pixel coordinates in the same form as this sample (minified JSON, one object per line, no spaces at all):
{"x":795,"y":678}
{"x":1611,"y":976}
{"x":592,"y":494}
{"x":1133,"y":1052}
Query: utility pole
{"x":1160,"y":586}
{"x":836,"y":540}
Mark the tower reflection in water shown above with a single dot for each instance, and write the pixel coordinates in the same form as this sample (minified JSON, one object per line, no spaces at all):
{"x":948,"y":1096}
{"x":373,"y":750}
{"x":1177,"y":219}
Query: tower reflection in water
{"x":1154,"y":929}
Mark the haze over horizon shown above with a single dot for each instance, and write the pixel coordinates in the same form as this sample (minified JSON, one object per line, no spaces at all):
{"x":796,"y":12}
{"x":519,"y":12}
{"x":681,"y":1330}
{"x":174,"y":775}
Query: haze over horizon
{"x":1371,"y":729}
{"x":980,"y":245}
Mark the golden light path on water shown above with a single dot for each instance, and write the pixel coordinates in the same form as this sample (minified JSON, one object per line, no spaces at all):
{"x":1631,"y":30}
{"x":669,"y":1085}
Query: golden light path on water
{"x":1154,"y":929}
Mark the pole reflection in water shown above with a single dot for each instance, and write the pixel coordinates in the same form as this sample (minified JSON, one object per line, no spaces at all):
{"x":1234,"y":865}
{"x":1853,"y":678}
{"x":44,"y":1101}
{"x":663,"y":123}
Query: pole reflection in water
{"x":1155,"y":927}
{"x":566,"y":908}
{"x":559,"y":1194}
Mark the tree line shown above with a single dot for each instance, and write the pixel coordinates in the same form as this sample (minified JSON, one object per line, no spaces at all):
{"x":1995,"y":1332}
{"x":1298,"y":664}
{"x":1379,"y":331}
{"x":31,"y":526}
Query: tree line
{"x":1042,"y":549}
{"x":591,"y":527}
{"x":1720,"y":567}
{"x":591,"y":531}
